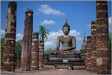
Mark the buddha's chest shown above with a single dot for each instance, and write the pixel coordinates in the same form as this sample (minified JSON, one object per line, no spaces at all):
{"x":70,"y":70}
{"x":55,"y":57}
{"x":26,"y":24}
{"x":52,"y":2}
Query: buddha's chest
{"x":66,"y":40}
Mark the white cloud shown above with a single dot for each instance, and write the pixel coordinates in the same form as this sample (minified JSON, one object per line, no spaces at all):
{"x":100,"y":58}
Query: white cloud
{"x":49,"y":43}
{"x":110,"y":24}
{"x":52,"y":37}
{"x":75,"y":33}
{"x":2,"y":33}
{"x":19,"y":36}
{"x":46,"y":9}
{"x":48,"y":22}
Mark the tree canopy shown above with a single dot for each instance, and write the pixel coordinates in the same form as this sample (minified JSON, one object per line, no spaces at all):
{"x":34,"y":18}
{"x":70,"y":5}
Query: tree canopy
{"x":43,"y":33}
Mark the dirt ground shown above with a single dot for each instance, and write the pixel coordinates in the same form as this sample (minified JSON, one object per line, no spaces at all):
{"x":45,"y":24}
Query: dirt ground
{"x":50,"y":72}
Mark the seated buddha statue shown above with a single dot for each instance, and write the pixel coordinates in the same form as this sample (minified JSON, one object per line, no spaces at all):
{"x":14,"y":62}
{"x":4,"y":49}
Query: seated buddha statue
{"x":68,"y":42}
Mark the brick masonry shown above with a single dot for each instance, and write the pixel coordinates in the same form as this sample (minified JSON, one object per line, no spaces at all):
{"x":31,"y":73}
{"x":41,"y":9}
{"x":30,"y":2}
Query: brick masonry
{"x":35,"y":52}
{"x":93,"y":47}
{"x":41,"y":54}
{"x":10,"y":36}
{"x":88,"y":54}
{"x":98,"y":55}
{"x":102,"y":38}
{"x":27,"y":41}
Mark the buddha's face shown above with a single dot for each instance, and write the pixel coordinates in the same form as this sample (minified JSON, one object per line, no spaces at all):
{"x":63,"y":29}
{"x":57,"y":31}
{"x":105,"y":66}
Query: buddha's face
{"x":66,"y":30}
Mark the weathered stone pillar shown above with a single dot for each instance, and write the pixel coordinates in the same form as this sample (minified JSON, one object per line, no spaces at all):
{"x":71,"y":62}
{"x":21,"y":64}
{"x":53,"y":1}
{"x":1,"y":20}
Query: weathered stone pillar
{"x":102,"y":38}
{"x":93,"y":47}
{"x":35,"y":52}
{"x":88,"y":53}
{"x":10,"y":35}
{"x":27,"y":41}
{"x":41,"y":55}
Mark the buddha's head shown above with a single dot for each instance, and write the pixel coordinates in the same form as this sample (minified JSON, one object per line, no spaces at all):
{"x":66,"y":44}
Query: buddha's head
{"x":66,"y":28}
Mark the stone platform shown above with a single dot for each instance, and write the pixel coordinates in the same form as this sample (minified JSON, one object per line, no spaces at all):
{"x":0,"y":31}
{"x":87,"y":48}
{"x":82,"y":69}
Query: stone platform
{"x":64,"y":60}
{"x":69,"y":57}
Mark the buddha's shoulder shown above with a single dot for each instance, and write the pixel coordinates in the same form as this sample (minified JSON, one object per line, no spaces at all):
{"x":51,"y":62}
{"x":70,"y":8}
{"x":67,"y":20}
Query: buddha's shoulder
{"x":60,"y":36}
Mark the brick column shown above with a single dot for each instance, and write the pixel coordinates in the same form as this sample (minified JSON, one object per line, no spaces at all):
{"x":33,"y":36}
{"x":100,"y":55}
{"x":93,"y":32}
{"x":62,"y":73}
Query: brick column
{"x":10,"y":35}
{"x":41,"y":55}
{"x":88,"y":53}
{"x":27,"y":41}
{"x":35,"y":52}
{"x":102,"y":38}
{"x":93,"y":47}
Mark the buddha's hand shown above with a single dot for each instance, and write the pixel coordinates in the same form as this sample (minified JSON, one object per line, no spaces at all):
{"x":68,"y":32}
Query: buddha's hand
{"x":55,"y":51}
{"x":66,"y":49}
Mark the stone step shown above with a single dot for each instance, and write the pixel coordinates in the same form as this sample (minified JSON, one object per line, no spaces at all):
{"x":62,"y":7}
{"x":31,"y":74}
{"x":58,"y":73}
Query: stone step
{"x":73,"y":63}
{"x":61,"y":59}
{"x":79,"y":67}
{"x":50,"y":67}
{"x":63,"y":66}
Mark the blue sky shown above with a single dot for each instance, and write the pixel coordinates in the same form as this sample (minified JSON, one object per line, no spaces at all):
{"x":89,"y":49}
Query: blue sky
{"x":53,"y":14}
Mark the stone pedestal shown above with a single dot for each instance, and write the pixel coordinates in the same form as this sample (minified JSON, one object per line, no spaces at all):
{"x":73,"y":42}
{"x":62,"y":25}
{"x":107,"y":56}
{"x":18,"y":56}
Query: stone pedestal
{"x":41,"y":54}
{"x":102,"y":38}
{"x":27,"y":41}
{"x":10,"y":35}
{"x":65,"y":60}
{"x":35,"y":52}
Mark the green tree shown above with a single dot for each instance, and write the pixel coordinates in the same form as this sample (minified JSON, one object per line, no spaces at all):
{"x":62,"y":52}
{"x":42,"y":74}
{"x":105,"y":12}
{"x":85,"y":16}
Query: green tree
{"x":18,"y":48}
{"x":2,"y":47}
{"x":43,"y":33}
{"x":48,"y":51}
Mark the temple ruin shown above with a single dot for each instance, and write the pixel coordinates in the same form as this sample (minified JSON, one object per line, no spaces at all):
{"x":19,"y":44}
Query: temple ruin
{"x":94,"y":54}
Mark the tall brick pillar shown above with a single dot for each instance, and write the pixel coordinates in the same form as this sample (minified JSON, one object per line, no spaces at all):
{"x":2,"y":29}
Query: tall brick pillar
{"x":35,"y":52}
{"x":41,"y":55}
{"x":27,"y":41}
{"x":93,"y":46}
{"x":10,"y":35}
{"x":102,"y":38}
{"x":88,"y":53}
